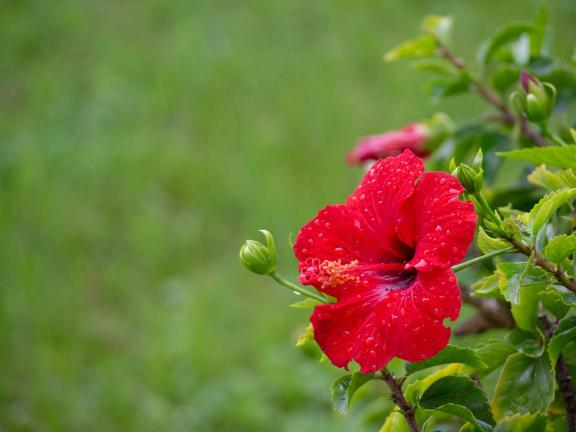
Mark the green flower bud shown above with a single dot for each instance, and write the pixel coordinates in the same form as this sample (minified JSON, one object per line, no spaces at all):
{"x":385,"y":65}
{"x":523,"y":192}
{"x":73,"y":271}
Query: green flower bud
{"x":258,"y":258}
{"x":535,"y":100}
{"x":470,"y":179}
{"x":478,"y":160}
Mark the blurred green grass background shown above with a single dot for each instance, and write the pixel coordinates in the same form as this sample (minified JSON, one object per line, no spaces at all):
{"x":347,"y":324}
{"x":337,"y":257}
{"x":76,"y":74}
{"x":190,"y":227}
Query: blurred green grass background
{"x":140,"y":143}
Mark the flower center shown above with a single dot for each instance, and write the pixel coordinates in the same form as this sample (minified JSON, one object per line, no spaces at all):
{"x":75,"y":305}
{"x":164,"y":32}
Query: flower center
{"x":334,"y":273}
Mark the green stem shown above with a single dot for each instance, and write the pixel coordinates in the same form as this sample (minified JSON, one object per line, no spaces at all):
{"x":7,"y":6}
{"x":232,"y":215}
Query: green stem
{"x":298,"y":289}
{"x":551,"y":135}
{"x":486,"y":207}
{"x":466,"y":264}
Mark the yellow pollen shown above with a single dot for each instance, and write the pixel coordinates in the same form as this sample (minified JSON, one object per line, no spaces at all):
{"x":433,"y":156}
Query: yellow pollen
{"x":337,"y":273}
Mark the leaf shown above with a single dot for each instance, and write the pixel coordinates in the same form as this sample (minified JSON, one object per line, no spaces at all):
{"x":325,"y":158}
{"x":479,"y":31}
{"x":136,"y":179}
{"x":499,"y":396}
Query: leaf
{"x":546,"y":179}
{"x":343,"y":390}
{"x":553,"y":301}
{"x":504,"y":76}
{"x":305,"y":337}
{"x":547,"y":206}
{"x":513,"y":275}
{"x":438,"y":88}
{"x":493,"y":354}
{"x":450,"y":354}
{"x":528,"y":343}
{"x":458,"y":395}
{"x":560,"y":248}
{"x":422,"y":46}
{"x":464,"y":413}
{"x":525,"y":385}
{"x":415,"y":389}
{"x":526,"y":311}
{"x":432,"y":65}
{"x":560,"y":157}
{"x":489,"y":244}
{"x":566,"y":296}
{"x":439,"y":26}
{"x":564,"y":333}
{"x":540,"y":42}
{"x":503,"y":37}
{"x":395,"y":422}
{"x":487,"y":287}
{"x":522,"y":423}
{"x":308,"y":303}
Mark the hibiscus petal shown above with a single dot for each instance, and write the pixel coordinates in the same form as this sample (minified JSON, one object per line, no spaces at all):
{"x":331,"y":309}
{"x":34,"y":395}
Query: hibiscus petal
{"x":436,"y":223}
{"x":377,"y":202}
{"x":332,"y":236}
{"x":370,"y":328}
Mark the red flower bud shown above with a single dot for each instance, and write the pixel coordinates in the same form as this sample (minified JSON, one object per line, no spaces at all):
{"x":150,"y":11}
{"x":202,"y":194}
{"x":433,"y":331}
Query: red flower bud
{"x":412,"y":136}
{"x":526,"y":78}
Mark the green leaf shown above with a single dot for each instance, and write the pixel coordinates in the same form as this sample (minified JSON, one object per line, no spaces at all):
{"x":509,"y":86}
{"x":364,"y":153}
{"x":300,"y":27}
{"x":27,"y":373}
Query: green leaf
{"x":487,"y":287}
{"x":546,"y":179}
{"x":308,"y":303}
{"x":513,"y":275}
{"x":489,"y":244}
{"x":560,"y":157}
{"x":343,"y":390}
{"x":464,"y":413}
{"x":560,"y":248}
{"x":529,"y":343}
{"x":493,"y":354}
{"x":395,"y":422}
{"x":564,"y":333}
{"x":540,"y":42}
{"x":439,"y":26}
{"x":525,"y":385}
{"x":526,"y":311}
{"x":439,"y":88}
{"x":460,"y":396}
{"x":504,"y":76}
{"x":416,"y":388}
{"x":422,"y":46}
{"x":432,"y":65}
{"x":522,"y":423}
{"x":306,"y":337}
{"x":502,"y":38}
{"x":547,"y":206}
{"x":566,"y":296}
{"x":553,"y":301}
{"x":450,"y":354}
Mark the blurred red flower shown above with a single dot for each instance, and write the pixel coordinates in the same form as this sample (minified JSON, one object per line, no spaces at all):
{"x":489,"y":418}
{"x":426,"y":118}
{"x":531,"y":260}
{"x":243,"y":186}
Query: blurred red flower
{"x":412,"y":137}
{"x":386,"y":256}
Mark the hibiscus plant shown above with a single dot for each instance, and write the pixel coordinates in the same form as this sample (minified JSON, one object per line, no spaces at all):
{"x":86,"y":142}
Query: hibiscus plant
{"x":489,"y":223}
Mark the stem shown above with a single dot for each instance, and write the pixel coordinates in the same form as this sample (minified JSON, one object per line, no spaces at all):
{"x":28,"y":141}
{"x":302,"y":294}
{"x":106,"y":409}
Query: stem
{"x":473,"y":261}
{"x":298,"y":289}
{"x":542,"y":262}
{"x":551,"y":135}
{"x":507,"y":115}
{"x":564,"y":379}
{"x":481,"y":201}
{"x":399,"y":399}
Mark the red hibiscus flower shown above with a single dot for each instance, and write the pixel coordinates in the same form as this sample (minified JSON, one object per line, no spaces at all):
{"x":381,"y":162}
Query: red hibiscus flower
{"x":413,"y":137}
{"x":386,"y":256}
